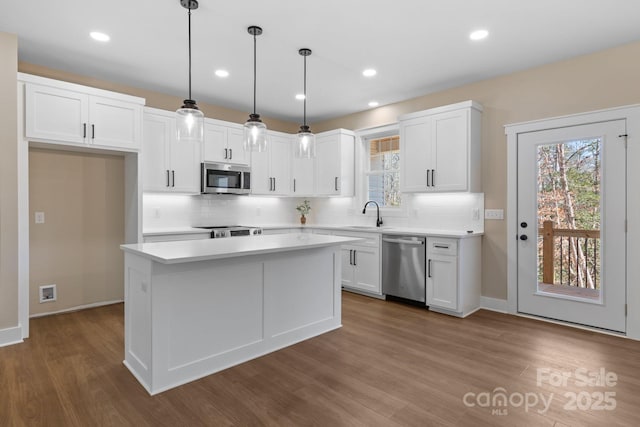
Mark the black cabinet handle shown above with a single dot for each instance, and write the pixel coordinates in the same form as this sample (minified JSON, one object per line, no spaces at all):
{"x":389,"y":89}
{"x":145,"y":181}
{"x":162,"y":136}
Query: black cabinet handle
{"x":433,"y":178}
{"x":84,"y":130}
{"x":429,"y":268}
{"x":355,"y":259}
{"x":294,"y":185}
{"x":93,"y":131}
{"x":335,"y":183}
{"x":274,"y":184}
{"x":230,"y":153}
{"x":428,"y":178}
{"x":524,"y":237}
{"x":226,"y":153}
{"x":351,"y":256}
{"x":168,"y":179}
{"x":173,"y":178}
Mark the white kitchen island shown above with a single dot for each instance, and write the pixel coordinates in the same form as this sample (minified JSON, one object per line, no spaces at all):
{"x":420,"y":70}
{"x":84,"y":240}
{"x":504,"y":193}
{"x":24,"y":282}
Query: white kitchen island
{"x":196,"y":307}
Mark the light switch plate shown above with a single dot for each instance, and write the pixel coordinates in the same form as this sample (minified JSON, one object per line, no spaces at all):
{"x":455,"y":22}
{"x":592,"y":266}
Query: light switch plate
{"x":494,"y":214}
{"x":39,"y":217}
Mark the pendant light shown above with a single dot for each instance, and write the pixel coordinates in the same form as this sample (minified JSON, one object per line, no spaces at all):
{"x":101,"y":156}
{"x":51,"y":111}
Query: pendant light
{"x":190,"y":123}
{"x":306,"y":140}
{"x":255,"y":132}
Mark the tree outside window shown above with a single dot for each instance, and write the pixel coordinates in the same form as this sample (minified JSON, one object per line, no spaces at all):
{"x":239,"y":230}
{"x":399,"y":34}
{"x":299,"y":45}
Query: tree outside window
{"x":384,"y":171}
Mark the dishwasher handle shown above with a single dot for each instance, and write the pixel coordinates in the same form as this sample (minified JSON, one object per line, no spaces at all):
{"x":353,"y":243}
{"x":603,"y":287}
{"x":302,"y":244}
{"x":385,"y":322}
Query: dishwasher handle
{"x":403,"y":241}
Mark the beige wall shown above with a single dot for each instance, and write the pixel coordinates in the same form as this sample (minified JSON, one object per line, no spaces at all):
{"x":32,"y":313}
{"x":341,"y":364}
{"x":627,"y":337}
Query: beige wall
{"x":154,"y":99}
{"x":77,"y":248}
{"x":8,"y":182}
{"x":601,"y":80}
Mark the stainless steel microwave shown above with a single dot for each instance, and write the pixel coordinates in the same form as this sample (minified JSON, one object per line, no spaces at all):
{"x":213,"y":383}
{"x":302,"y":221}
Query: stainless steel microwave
{"x":221,"y":178}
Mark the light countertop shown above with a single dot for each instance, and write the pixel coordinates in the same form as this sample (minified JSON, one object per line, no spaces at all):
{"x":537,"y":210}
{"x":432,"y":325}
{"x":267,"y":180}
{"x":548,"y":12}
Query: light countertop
{"x":210,"y":249}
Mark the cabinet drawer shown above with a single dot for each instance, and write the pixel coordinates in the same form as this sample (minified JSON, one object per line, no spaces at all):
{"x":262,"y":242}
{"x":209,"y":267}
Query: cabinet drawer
{"x":371,"y":239}
{"x":442,"y":246}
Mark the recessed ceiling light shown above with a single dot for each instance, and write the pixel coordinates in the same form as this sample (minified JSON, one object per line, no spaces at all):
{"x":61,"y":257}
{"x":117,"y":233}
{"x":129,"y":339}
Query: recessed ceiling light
{"x":300,"y":96}
{"x":98,"y":36}
{"x":373,"y":103}
{"x":222,"y":73}
{"x":479,"y":35}
{"x":369,"y":72}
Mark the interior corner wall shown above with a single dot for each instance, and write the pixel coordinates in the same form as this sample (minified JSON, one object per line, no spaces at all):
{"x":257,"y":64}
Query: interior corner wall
{"x":8,"y":182}
{"x":77,"y":248}
{"x":591,"y":82}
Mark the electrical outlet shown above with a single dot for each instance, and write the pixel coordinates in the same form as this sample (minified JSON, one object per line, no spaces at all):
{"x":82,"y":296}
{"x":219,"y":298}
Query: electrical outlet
{"x":39,"y":217}
{"x":475,"y":214}
{"x":494,"y":214}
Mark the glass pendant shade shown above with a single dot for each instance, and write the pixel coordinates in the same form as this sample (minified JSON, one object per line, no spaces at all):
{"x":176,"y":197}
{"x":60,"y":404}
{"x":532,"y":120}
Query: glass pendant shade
{"x":190,"y":123}
{"x":306,"y":147}
{"x":255,"y":134}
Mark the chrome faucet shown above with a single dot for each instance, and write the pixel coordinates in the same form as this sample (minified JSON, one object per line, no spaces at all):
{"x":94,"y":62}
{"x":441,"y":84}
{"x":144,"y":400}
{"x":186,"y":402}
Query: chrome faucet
{"x":378,"y":220}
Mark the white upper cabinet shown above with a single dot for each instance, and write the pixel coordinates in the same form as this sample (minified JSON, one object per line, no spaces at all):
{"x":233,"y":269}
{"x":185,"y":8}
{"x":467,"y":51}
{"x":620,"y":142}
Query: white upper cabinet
{"x":71,"y":114}
{"x":168,"y":165}
{"x":223,"y":143}
{"x":271,"y":169}
{"x":303,"y":174}
{"x":441,"y":149}
{"x":335,"y":163}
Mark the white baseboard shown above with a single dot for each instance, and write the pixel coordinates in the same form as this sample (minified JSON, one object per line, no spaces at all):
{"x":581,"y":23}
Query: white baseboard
{"x":11,"y":336}
{"x":494,"y":304}
{"x":76,"y":308}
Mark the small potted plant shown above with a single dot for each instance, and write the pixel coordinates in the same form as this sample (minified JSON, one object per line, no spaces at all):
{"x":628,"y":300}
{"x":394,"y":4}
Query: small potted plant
{"x":304,"y":209}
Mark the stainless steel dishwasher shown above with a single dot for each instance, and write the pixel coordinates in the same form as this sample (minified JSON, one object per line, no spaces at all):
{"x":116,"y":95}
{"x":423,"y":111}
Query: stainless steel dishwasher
{"x":403,"y":267}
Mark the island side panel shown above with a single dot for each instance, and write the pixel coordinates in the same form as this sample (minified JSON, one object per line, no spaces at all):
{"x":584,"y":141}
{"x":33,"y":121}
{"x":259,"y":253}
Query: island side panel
{"x":137,"y":318}
{"x":211,"y":315}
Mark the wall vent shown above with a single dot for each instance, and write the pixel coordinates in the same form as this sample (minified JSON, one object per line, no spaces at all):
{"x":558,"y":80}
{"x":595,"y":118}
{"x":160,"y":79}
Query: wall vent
{"x":47,"y":293}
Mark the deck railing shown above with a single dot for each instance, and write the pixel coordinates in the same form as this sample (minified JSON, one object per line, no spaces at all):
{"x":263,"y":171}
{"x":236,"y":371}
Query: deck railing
{"x":570,"y":257}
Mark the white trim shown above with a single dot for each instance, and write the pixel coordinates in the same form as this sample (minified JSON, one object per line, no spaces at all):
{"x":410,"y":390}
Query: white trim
{"x":23,"y":217}
{"x":573,"y":325}
{"x":77,"y":308}
{"x":494,"y":304}
{"x":11,"y":336}
{"x":631,"y":114}
{"x":443,"y":109}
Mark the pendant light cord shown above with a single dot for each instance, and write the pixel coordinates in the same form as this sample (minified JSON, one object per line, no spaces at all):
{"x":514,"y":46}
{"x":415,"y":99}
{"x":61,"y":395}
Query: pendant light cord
{"x":305,"y":93}
{"x":254,"y":73}
{"x":189,"y":52}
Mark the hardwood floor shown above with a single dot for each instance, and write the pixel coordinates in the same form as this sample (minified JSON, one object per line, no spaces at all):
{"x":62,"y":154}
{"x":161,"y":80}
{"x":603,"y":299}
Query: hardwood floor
{"x":389,"y":365}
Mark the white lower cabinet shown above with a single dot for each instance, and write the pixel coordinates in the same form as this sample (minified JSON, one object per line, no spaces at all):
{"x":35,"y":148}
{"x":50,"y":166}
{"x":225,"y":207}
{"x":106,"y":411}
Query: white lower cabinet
{"x":454,"y":275}
{"x":360,"y":262}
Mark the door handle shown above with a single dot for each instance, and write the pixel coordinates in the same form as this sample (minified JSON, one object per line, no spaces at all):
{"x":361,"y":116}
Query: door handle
{"x":429,"y":268}
{"x":523,"y":224}
{"x":524,"y":237}
{"x":226,"y":153}
{"x":173,"y":178}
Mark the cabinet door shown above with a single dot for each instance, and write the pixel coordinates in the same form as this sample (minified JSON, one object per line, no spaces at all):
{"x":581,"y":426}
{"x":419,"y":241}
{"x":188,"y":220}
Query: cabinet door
{"x":185,"y":166}
{"x":159,"y":131}
{"x":280,"y":168}
{"x":114,"y":123}
{"x":442,"y":281}
{"x":261,"y":182}
{"x":56,"y":114}
{"x":347,"y":268}
{"x":328,"y":165}
{"x":215,"y":143}
{"x":302,"y":176}
{"x":450,"y":136}
{"x":417,"y":151}
{"x":367,"y":269}
{"x":235,"y":144}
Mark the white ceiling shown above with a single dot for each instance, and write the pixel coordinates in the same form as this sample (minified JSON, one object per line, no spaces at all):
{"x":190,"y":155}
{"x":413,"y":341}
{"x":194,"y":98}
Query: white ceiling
{"x":417,"y":46}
